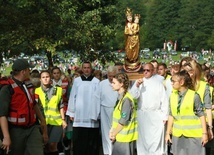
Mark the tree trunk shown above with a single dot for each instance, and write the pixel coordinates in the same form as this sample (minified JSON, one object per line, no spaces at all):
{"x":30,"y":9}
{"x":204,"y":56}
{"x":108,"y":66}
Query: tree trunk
{"x":50,"y":61}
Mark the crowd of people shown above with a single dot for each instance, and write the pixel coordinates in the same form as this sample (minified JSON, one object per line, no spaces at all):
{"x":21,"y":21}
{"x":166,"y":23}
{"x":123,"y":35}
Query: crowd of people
{"x":50,"y":112}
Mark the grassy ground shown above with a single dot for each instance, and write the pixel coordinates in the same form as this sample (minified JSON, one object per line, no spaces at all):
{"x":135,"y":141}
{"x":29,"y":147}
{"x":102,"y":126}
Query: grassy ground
{"x":174,"y":58}
{"x":6,"y":71}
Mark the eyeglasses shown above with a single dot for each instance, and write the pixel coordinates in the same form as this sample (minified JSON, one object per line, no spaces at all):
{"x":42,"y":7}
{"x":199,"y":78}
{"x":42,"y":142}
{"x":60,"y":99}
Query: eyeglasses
{"x":146,"y":70}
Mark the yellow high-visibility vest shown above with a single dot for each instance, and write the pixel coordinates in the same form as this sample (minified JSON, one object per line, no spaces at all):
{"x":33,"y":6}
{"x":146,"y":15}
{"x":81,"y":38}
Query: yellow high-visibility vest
{"x":168,"y":77}
{"x":186,"y":123}
{"x":129,"y":132}
{"x":211,"y":94}
{"x":164,"y":81}
{"x":51,"y":109}
{"x":201,"y":90}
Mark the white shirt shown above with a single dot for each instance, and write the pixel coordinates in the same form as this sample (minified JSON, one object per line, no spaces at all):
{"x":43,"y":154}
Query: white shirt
{"x":108,"y":96}
{"x":59,"y":83}
{"x":159,"y":77}
{"x":168,"y":85}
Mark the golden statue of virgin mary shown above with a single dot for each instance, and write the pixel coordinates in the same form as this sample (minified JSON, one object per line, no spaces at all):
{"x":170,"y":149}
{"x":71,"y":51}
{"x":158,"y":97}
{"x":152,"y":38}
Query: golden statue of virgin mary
{"x":132,"y":42}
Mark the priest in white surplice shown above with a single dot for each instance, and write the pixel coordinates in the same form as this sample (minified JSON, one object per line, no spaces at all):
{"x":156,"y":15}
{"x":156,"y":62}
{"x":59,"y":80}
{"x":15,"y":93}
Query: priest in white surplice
{"x":108,"y":98}
{"x":152,"y":113}
{"x":84,"y":109}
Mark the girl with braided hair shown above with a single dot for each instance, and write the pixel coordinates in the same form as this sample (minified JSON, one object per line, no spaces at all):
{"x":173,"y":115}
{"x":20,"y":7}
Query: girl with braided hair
{"x":123,"y":132}
{"x":186,"y":119}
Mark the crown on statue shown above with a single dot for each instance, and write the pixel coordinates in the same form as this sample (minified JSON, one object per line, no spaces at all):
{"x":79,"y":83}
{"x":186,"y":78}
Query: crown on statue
{"x":128,"y":12}
{"x":137,"y":16}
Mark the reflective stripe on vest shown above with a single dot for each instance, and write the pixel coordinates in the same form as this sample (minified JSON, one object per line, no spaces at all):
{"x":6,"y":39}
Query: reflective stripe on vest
{"x":187,"y":127}
{"x":186,"y":122}
{"x":14,"y":85}
{"x":51,"y":109}
{"x":129,"y":132}
{"x":53,"y":117}
{"x":20,"y":120}
{"x":185,"y":117}
{"x":14,"y":120}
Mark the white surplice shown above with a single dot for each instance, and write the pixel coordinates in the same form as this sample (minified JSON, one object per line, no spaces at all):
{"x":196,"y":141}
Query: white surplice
{"x":108,"y":98}
{"x":153,"y":109}
{"x":84,"y":103}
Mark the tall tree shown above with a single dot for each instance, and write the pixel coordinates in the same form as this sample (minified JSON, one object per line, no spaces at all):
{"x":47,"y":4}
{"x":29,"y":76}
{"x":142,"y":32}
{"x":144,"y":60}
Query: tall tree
{"x":187,"y":22}
{"x":160,"y":22}
{"x":95,"y":25}
{"x":205,"y":25}
{"x":48,"y":25}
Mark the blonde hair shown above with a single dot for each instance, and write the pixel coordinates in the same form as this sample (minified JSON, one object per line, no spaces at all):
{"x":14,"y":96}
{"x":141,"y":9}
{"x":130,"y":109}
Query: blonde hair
{"x":197,"y":72}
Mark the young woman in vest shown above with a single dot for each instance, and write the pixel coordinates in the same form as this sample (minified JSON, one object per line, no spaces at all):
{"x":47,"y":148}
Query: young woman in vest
{"x":50,"y":99}
{"x":186,"y":118}
{"x":61,"y":80}
{"x":124,"y":126}
{"x":201,"y":87}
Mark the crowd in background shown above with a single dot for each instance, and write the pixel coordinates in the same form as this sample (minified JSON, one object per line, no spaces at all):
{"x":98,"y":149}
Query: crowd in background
{"x":81,"y":107}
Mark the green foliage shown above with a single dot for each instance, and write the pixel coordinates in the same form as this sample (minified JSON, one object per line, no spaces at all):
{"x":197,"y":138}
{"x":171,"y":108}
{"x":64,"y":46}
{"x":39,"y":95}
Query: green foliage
{"x":31,"y":26}
{"x":48,"y":25}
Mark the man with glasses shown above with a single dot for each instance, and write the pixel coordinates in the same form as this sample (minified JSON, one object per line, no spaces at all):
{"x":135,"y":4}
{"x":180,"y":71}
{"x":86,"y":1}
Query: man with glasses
{"x":152,"y":112}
